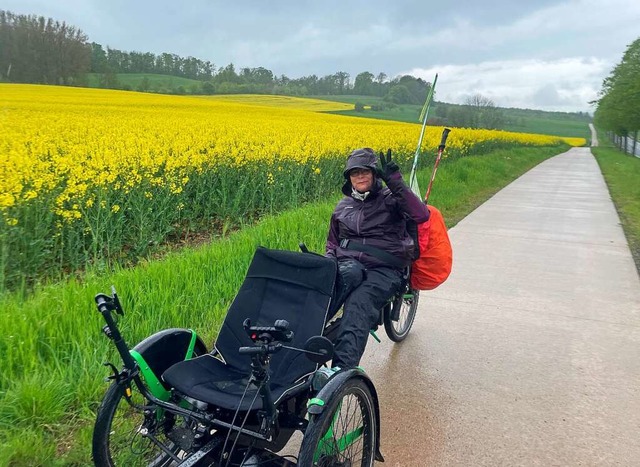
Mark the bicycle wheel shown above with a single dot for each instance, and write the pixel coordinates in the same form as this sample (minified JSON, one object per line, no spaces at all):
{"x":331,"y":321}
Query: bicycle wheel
{"x":119,"y":434}
{"x":344,"y":434}
{"x":404,"y":307}
{"x":118,"y":438}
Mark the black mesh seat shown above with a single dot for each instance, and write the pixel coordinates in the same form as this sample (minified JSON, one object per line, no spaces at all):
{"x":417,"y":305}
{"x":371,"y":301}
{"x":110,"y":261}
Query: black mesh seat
{"x":286,"y":285}
{"x":209,"y":380}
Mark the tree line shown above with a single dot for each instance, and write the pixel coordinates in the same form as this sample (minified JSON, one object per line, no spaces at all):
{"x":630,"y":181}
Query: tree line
{"x":38,"y":50}
{"x":117,"y":61}
{"x":45,"y":51}
{"x":618,"y":108}
{"x":34,"y":49}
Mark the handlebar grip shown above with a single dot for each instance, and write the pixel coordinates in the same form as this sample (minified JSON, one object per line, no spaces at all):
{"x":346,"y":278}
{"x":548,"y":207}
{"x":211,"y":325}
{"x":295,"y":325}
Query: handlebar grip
{"x":443,"y":141}
{"x":250,"y":350}
{"x":101,"y":303}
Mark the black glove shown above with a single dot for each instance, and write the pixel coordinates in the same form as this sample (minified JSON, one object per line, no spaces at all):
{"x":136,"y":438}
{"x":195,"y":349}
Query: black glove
{"x":387,"y":166}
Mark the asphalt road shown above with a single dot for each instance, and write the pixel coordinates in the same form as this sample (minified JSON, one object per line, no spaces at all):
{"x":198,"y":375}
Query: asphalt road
{"x":530,"y":353}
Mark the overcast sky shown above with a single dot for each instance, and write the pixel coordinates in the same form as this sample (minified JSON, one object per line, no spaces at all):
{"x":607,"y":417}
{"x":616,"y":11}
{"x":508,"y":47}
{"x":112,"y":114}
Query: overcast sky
{"x":545,"y":54}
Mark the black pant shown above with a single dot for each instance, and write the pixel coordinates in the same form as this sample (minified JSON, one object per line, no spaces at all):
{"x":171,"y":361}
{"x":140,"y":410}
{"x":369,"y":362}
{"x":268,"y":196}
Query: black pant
{"x":366,"y":292}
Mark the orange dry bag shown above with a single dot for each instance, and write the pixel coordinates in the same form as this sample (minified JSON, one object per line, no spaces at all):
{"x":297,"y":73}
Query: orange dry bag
{"x":434,"y":264}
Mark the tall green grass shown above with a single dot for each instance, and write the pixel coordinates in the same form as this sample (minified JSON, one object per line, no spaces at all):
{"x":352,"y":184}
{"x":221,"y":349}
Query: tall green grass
{"x":120,"y":226}
{"x":622,"y":174}
{"x":51,"y":377}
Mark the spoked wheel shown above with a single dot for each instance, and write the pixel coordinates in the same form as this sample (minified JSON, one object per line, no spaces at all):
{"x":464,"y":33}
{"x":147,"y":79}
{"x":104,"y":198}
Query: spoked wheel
{"x":403,"y":308}
{"x":344,"y":434}
{"x":125,"y":436}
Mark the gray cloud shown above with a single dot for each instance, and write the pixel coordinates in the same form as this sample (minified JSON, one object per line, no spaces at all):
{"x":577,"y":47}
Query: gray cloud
{"x":517,"y":53}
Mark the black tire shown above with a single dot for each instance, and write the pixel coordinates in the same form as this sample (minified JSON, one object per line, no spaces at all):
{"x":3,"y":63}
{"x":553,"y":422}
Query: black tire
{"x":117,"y":440}
{"x":405,"y":305}
{"x":349,"y":409}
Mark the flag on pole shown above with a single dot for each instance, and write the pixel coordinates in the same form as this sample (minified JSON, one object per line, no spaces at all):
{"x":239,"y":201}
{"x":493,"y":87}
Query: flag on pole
{"x":424,"y":115}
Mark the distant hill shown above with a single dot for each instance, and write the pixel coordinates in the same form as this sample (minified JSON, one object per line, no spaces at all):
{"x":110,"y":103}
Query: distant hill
{"x":569,"y":124}
{"x":513,"y":119}
{"x":575,"y":124}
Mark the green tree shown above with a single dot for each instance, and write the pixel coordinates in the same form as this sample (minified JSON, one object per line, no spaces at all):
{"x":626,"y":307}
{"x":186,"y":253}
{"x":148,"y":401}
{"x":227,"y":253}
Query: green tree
{"x":618,"y":107}
{"x":227,"y":75}
{"x":483,"y":112}
{"x":38,"y":50}
{"x":417,"y":88}
{"x":399,"y":94}
{"x":98,"y":59}
{"x":363,"y":84}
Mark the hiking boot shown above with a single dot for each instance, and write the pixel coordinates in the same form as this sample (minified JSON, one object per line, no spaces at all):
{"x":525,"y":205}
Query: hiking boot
{"x":321,"y":376}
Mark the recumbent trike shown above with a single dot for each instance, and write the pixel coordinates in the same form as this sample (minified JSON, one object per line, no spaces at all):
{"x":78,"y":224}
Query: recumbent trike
{"x":176,"y":404}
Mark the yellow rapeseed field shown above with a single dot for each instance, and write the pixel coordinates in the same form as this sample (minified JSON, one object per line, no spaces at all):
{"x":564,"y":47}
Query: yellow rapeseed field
{"x":76,"y":142}
{"x":90,"y":176}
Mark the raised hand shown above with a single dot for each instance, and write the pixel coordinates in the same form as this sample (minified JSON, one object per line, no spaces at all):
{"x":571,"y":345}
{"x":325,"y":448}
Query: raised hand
{"x":386,"y":167}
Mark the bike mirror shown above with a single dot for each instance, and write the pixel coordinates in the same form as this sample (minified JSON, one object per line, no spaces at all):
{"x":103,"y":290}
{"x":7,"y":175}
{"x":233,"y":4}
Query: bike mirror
{"x":319,"y":349}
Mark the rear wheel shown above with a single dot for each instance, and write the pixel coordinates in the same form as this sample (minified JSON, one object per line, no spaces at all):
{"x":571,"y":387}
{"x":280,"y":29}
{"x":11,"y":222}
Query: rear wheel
{"x":344,"y":434}
{"x":404,"y":307}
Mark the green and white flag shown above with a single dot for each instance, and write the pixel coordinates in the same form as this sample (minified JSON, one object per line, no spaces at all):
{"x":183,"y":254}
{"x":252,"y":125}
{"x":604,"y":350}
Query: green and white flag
{"x":424,"y":115}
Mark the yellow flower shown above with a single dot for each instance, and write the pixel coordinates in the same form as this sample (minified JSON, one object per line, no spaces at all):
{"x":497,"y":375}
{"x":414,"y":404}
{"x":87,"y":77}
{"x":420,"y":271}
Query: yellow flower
{"x":30,"y":195}
{"x":115,"y":208}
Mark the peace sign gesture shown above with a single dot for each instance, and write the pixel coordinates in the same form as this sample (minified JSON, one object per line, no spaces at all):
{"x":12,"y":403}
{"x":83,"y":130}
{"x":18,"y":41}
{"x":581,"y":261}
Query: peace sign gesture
{"x":386,"y":166}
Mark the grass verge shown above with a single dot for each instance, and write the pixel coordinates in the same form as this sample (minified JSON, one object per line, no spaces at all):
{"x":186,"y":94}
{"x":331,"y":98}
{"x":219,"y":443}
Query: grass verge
{"x":51,"y":377}
{"x":622,"y":174}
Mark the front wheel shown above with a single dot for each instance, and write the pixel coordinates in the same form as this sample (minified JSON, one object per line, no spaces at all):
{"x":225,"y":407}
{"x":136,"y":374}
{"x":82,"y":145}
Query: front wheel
{"x":403,"y":308}
{"x":124,"y":435}
{"x":344,"y":433}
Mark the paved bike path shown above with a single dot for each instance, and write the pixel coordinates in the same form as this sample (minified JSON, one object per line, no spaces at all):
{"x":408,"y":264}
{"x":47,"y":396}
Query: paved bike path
{"x":530,"y":353}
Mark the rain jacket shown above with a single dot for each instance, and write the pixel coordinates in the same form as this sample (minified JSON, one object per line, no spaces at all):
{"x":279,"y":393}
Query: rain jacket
{"x":379,"y":220}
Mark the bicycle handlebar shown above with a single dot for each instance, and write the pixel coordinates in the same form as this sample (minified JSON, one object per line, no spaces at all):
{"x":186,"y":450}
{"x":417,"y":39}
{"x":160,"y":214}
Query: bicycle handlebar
{"x":106,"y":305}
{"x":261,"y":349}
{"x":101,"y":303}
{"x":251,"y":350}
